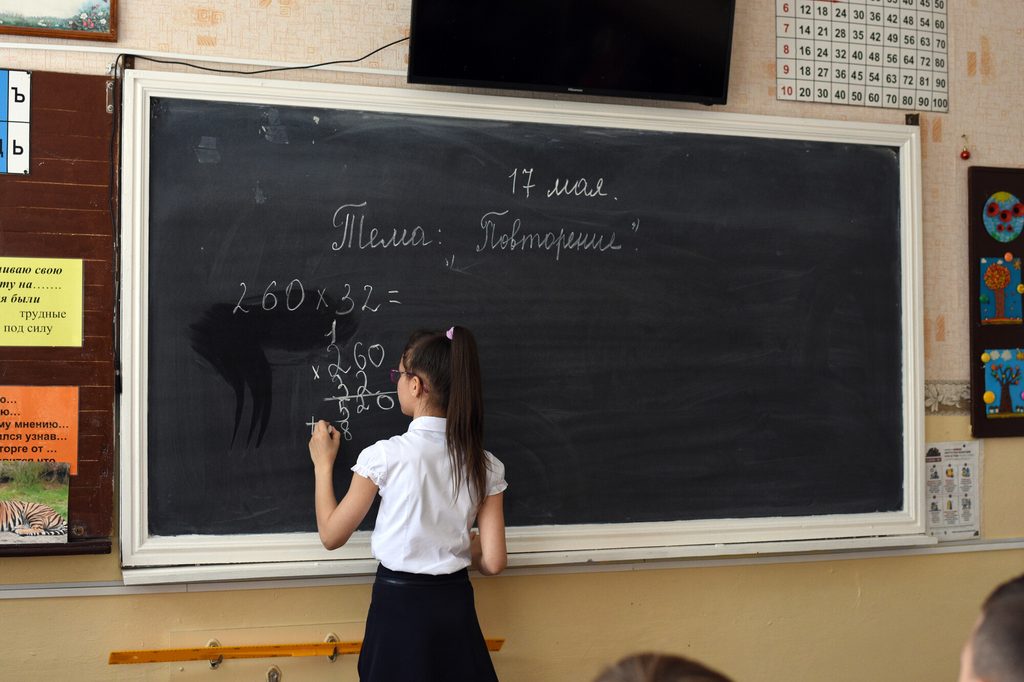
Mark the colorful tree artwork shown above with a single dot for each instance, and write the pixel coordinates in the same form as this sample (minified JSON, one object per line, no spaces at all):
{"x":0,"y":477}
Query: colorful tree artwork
{"x":1003,"y":396}
{"x":1001,"y":290}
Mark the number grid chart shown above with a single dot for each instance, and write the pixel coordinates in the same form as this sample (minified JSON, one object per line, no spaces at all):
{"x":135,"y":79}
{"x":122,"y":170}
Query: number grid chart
{"x":869,"y":53}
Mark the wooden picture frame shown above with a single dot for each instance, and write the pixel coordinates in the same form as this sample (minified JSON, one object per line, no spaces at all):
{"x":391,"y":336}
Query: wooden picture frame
{"x":79,"y":19}
{"x":995,"y":222}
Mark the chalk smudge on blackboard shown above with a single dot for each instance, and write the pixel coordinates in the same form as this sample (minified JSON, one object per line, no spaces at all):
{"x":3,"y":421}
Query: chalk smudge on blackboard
{"x":236,"y":347}
{"x":206,"y":150}
{"x":271,"y":129}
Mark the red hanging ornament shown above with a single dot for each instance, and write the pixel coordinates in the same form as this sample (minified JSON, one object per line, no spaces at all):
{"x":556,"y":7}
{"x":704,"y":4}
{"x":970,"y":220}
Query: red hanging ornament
{"x":965,"y":153}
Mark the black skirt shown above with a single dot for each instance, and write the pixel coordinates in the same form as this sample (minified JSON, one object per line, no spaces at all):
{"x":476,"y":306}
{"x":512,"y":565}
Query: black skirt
{"x":423,"y":628}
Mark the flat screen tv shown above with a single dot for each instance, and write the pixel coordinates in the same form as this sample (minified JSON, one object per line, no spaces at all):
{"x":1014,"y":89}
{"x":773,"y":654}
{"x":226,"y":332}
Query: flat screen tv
{"x":656,"y":49}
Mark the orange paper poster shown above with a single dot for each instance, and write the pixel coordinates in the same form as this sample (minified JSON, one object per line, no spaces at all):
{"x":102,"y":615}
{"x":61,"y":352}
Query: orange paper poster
{"x":39,"y":423}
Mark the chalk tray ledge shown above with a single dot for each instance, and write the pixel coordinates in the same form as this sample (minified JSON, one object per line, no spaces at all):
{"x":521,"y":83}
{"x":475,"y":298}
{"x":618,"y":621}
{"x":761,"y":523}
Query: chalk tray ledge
{"x":360,"y":571}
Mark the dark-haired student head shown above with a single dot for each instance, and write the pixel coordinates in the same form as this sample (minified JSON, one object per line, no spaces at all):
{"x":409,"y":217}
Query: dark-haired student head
{"x":994,"y":651}
{"x":653,"y":667}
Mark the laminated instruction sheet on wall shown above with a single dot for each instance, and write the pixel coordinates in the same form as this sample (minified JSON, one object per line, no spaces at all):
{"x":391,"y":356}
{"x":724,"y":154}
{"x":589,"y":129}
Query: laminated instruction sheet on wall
{"x":953,"y":489}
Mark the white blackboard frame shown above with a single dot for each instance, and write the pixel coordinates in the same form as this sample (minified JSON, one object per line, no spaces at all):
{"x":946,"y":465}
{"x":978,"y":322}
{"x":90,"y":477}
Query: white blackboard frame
{"x":161,"y":559}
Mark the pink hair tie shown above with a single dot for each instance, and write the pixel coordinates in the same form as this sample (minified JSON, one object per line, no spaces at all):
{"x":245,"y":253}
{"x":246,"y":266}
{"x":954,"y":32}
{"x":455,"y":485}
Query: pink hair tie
{"x":450,"y":333}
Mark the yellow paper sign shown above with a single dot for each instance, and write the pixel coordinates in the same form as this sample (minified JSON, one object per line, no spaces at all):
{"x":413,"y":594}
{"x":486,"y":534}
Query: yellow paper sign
{"x":40,"y":302}
{"x":39,"y":423}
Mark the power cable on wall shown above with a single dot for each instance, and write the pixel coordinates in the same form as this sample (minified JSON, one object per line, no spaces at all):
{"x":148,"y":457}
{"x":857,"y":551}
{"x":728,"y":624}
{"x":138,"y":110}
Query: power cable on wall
{"x":116,"y":71}
{"x":272,"y":69}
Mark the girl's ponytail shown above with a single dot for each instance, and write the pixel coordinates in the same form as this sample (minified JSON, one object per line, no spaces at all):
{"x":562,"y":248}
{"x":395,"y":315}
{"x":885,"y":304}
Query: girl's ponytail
{"x":465,"y":414}
{"x":449,"y":359}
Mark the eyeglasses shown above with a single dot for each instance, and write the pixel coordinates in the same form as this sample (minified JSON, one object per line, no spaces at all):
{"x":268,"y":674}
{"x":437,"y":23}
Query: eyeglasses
{"x":396,"y":374}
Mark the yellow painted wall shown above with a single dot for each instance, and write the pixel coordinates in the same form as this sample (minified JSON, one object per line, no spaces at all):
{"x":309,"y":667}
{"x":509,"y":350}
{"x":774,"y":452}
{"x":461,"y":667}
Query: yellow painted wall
{"x":893,"y":618}
{"x":881,"y":618}
{"x":868,"y":619}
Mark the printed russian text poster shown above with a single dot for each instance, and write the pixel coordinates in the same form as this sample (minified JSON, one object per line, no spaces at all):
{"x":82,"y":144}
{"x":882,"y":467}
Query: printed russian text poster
{"x":39,"y":424}
{"x":41,"y":302}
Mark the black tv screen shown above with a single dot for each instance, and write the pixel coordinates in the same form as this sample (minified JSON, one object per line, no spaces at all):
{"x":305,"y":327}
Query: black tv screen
{"x":657,"y":49}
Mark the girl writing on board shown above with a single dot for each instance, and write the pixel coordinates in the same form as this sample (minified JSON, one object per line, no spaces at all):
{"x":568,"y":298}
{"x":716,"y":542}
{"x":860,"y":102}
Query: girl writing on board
{"x":433,"y":481}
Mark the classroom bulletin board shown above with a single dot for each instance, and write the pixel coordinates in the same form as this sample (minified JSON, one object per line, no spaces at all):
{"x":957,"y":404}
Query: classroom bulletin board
{"x":58,"y":317}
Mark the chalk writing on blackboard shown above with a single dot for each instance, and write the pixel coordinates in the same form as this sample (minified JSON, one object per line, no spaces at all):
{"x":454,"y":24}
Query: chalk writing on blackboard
{"x":354,"y":233}
{"x":504,"y":233}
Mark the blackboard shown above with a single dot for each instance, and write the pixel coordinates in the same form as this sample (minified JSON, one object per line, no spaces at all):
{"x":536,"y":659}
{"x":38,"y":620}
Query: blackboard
{"x":673,"y":325}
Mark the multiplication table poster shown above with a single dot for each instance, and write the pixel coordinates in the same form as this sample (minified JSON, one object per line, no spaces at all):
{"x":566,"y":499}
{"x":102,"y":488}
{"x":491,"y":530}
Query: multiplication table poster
{"x":867,"y":53}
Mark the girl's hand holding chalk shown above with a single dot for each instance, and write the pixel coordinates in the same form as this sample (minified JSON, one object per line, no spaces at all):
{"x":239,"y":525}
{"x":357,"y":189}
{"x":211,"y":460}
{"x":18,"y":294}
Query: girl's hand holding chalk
{"x":323,"y":446}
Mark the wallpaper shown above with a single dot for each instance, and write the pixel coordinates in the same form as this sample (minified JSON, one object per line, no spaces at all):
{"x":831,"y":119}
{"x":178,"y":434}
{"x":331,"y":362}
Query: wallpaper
{"x":986,"y":70}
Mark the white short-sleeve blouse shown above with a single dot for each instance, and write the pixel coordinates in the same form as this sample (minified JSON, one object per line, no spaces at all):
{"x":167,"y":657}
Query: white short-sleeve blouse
{"x":420,"y":528}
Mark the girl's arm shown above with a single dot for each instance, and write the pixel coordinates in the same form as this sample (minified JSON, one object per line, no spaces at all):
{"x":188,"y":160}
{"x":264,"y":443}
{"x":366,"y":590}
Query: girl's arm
{"x":488,"y":548}
{"x":336,"y":521}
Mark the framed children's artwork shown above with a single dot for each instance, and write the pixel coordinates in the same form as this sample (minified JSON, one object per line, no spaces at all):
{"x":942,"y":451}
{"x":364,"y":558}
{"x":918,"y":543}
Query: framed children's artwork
{"x":996,"y":247}
{"x":84,"y":19}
